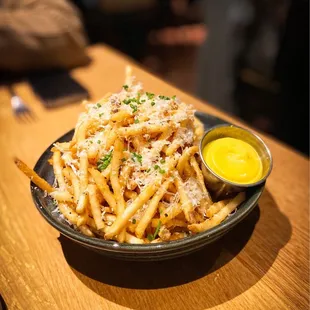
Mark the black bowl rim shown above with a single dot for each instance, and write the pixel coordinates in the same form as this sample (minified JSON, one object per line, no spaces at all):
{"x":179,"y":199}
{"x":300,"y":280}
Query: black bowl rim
{"x":125,"y":248}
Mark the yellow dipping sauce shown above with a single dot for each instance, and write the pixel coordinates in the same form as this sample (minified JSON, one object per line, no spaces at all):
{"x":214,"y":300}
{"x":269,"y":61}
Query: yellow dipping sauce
{"x":234,"y":160}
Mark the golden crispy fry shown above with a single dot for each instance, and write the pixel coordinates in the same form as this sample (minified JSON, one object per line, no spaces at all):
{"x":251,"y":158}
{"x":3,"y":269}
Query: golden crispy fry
{"x":170,"y":213}
{"x":166,"y":134}
{"x":220,"y":216}
{"x":82,"y":203}
{"x":92,"y":153}
{"x":131,"y":227}
{"x":109,"y":218}
{"x":91,"y":223}
{"x":122,"y":220}
{"x":169,"y":224}
{"x":185,"y":158}
{"x":187,"y":205}
{"x":124,"y":175}
{"x":83,"y":183}
{"x":68,"y":213}
{"x":83,"y":171}
{"x":58,"y":170}
{"x":199,"y":129}
{"x":81,"y":132}
{"x":216,"y":207}
{"x":86,"y":231}
{"x":117,"y":188}
{"x":132,"y":239}
{"x":33,"y":176}
{"x":95,"y":206}
{"x":106,"y":173}
{"x":120,"y":116}
{"x":172,"y":148}
{"x":111,"y":139}
{"x":114,"y":177}
{"x":82,"y":218}
{"x":69,"y":174}
{"x":62,"y":196}
{"x":151,"y":209}
{"x":138,"y":142}
{"x":141,"y":129}
{"x":145,"y":195}
{"x":130,"y":194}
{"x":172,"y":188}
{"x":164,"y":233}
{"x":188,"y":170}
{"x":103,"y":187}
{"x":200,"y":179}
{"x":63,"y":146}
{"x":168,"y":197}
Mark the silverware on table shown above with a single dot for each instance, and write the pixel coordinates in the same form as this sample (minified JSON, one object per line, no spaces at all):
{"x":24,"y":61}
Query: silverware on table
{"x":19,"y":107}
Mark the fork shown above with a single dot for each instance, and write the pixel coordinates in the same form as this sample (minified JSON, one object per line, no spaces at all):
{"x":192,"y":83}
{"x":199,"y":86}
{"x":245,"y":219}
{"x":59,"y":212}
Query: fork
{"x":19,"y":107}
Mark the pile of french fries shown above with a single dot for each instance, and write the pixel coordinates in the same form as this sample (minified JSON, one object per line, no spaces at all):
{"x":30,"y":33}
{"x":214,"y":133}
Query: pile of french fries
{"x":132,"y":172}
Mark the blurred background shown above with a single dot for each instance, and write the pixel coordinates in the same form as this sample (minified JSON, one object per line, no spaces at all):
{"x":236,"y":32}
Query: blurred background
{"x":249,"y":58}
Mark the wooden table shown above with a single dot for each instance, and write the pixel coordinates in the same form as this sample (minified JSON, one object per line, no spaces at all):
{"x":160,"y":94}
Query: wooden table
{"x":261,"y":264}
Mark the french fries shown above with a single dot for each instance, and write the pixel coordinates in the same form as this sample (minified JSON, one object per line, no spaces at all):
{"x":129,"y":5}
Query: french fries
{"x":33,"y":176}
{"x":130,"y":173}
{"x":220,"y":216}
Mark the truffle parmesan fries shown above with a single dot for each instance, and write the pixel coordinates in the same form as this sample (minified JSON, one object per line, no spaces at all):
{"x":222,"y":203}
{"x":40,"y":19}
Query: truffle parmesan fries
{"x":132,"y":172}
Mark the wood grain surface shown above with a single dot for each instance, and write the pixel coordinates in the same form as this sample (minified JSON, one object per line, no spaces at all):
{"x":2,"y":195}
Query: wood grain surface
{"x":261,"y":264}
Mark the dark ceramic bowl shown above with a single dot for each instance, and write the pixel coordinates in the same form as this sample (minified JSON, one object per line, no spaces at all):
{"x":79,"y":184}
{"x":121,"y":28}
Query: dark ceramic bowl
{"x":147,"y":252}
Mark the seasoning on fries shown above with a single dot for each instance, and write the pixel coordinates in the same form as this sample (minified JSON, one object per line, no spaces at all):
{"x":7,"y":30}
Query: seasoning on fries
{"x":131,"y":172}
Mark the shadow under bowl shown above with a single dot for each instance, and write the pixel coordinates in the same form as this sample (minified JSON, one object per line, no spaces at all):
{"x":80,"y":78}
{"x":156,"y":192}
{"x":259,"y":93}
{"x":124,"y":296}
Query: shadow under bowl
{"x":137,"y":252}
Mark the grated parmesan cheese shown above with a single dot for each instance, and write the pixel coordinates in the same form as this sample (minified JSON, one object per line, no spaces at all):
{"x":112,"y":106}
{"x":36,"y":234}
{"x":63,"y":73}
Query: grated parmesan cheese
{"x":193,"y":191}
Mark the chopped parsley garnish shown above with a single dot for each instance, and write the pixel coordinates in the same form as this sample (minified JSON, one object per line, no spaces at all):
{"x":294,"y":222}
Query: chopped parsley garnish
{"x":164,"y":97}
{"x":98,"y":141}
{"x":129,"y":100}
{"x":161,"y":171}
{"x":137,"y":157}
{"x":138,"y":99}
{"x":148,"y":170}
{"x":134,"y":108}
{"x":136,"y":121}
{"x":125,"y":87}
{"x":143,"y":100}
{"x":152,"y":103}
{"x":104,"y":162}
{"x":174,"y":97}
{"x":98,"y":105}
{"x":134,"y":221}
{"x":150,"y":95}
{"x":162,"y":161}
{"x":123,"y":159}
{"x":91,"y":141}
{"x":100,"y":114}
{"x":157,"y":229}
{"x":151,"y":237}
